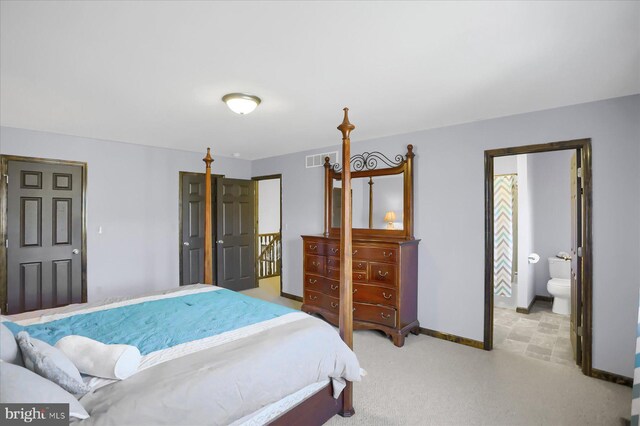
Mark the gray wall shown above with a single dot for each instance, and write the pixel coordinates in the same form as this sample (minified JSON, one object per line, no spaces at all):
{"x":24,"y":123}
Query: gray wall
{"x":449,"y":182}
{"x":551,"y":202}
{"x":132,"y":192}
{"x":526,"y":272}
{"x":505,"y":165}
{"x":268,"y":206}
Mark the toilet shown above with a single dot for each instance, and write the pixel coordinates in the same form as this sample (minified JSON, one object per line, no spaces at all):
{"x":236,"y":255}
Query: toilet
{"x":559,"y":286}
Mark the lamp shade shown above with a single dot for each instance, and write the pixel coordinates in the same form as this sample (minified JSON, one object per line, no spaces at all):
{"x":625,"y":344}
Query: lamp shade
{"x":390,"y":216}
{"x":241,"y":103}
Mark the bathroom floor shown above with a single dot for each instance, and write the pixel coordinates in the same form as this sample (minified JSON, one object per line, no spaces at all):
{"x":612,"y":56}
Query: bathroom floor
{"x":541,"y":334}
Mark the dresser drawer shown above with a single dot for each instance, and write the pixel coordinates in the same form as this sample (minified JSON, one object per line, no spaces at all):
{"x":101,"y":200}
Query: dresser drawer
{"x":333,"y":273}
{"x":323,"y":301}
{"x":314,"y":247}
{"x":314,"y":264}
{"x":314,"y":298}
{"x":358,"y":276}
{"x":313,"y":282}
{"x":332,"y":304}
{"x":333,"y":262}
{"x":374,"y":294}
{"x":332,"y":287}
{"x":375,"y":313}
{"x":357,"y":265}
{"x":322,"y":285}
{"x":333,"y":249}
{"x":376,"y":254}
{"x":382,"y":273}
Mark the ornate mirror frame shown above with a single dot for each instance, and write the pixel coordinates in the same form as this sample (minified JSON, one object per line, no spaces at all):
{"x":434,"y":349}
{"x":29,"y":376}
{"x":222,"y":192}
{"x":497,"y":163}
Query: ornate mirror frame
{"x":365,"y":165}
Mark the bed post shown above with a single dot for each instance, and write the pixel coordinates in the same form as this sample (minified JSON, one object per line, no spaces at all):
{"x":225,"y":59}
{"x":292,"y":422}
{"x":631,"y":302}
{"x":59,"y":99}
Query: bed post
{"x":408,"y":191}
{"x":346,"y":253}
{"x":208,"y":231}
{"x":327,"y":195}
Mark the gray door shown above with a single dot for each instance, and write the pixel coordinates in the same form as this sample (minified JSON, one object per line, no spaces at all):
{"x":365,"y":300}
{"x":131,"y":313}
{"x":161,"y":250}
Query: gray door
{"x":44,"y":232}
{"x":192,"y":204}
{"x":236,"y":234}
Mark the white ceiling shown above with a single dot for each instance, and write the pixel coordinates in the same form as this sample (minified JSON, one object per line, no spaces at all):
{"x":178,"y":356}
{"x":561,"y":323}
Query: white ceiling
{"x":153,"y":73}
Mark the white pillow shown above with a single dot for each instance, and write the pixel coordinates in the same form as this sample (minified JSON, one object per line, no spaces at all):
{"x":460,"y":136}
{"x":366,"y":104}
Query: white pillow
{"x":97,"y":359}
{"x":49,"y":362}
{"x":9,"y":350}
{"x":19,"y":385}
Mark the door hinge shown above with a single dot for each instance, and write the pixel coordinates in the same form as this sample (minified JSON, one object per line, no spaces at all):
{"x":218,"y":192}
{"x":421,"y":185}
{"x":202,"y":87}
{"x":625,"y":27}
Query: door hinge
{"x":6,"y":178}
{"x":581,"y":181}
{"x":579,"y":251}
{"x":579,"y":331}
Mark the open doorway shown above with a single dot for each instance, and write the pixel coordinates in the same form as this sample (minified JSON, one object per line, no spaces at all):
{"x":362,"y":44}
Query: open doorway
{"x":538,"y":277}
{"x":269,"y":241}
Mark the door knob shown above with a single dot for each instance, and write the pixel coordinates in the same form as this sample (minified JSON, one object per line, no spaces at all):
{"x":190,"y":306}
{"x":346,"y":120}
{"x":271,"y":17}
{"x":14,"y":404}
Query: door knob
{"x":75,"y":251}
{"x":186,"y":243}
{"x":219,"y":241}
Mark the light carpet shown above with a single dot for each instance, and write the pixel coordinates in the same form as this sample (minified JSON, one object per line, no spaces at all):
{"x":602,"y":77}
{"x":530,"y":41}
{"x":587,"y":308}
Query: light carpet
{"x":434,"y":382}
{"x":269,"y":289}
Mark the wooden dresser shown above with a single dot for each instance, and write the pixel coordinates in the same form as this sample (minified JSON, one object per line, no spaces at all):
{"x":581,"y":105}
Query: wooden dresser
{"x":385,"y":281}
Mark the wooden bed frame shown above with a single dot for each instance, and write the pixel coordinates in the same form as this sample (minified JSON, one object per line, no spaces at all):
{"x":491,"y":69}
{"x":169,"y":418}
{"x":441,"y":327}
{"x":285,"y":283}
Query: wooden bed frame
{"x":321,"y":406}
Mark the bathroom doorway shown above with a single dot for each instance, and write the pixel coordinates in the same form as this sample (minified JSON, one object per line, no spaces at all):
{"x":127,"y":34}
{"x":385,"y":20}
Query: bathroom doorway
{"x":548,"y":308}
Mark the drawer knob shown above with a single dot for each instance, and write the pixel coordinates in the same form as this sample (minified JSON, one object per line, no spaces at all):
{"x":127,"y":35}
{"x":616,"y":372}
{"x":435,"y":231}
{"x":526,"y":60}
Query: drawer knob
{"x":334,"y":287}
{"x":334,"y":305}
{"x":387,"y":316}
{"x":360,"y":265}
{"x":354,"y":290}
{"x":385,"y":254}
{"x":385,"y":295}
{"x":354,"y":252}
{"x":334,"y":250}
{"x":313,"y":297}
{"x":383,"y":275}
{"x":315,"y":263}
{"x":354,"y":309}
{"x":313,"y":246}
{"x":312,"y":281}
{"x":359,"y":276}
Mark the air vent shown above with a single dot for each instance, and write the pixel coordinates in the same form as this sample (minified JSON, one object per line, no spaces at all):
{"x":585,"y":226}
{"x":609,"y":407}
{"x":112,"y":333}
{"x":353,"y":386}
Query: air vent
{"x":317,"y":160}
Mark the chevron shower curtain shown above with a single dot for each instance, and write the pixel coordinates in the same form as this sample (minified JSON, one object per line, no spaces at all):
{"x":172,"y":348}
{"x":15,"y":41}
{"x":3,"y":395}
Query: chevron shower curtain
{"x":503,"y":241}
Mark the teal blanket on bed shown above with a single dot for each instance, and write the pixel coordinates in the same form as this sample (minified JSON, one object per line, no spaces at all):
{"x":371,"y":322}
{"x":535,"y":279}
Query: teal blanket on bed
{"x":161,"y":324}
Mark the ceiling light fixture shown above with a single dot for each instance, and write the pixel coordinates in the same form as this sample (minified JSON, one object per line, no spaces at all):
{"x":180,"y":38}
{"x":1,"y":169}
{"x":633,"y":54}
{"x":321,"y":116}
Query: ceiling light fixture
{"x":241,"y":103}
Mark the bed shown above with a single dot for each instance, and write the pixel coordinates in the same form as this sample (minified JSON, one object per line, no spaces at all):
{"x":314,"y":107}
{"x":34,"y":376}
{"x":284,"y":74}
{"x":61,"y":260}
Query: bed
{"x":214,"y":356}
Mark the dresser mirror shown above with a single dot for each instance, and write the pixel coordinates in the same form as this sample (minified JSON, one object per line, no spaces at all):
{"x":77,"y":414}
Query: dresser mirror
{"x":377,"y":202}
{"x":381,"y":195}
